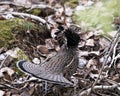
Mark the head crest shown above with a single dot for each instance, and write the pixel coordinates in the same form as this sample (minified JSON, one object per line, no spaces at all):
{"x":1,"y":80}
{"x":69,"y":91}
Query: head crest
{"x":72,"y":38}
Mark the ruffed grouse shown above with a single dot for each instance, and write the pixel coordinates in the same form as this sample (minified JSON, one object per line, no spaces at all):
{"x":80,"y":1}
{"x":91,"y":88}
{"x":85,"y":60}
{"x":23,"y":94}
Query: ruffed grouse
{"x":60,"y":67}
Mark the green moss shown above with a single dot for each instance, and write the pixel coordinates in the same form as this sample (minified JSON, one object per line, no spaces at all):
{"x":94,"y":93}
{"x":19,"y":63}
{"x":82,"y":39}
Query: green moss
{"x":5,"y":31}
{"x":21,"y":55}
{"x":9,"y":29}
{"x":35,"y":11}
{"x":99,"y":16}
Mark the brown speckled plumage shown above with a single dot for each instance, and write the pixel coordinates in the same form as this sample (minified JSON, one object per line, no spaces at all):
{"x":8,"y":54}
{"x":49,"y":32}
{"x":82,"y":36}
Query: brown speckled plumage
{"x":59,"y":67}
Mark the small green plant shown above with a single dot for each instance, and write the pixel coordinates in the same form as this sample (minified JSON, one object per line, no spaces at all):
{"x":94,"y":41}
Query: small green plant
{"x":21,"y":55}
{"x":24,"y":26}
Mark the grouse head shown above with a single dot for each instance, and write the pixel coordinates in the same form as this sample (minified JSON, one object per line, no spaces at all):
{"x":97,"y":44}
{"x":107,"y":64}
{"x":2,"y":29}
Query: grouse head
{"x":72,"y":38}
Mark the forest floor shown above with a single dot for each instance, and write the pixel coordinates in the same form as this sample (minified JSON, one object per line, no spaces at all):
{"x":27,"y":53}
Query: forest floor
{"x":28,"y":31}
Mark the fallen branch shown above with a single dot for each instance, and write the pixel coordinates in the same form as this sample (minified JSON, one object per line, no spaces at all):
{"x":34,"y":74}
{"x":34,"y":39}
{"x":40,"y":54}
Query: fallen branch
{"x":7,"y":86}
{"x":3,"y":62}
{"x":32,"y":6}
{"x":113,"y":58}
{"x":100,"y":87}
{"x":27,"y":15}
{"x":7,"y":3}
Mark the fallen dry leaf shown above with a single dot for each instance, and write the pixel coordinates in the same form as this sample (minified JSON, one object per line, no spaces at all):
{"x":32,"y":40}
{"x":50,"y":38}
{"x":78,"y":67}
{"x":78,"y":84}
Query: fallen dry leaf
{"x":8,"y":93}
{"x":25,"y":93}
{"x":43,"y":49}
{"x":116,"y":78}
{"x":82,"y":62}
{"x":9,"y":71}
{"x":2,"y":93}
{"x":104,"y":43}
{"x":90,"y":42}
{"x":36,"y":61}
{"x":95,"y":52}
{"x":118,"y":65}
{"x":13,"y":53}
{"x":50,"y":44}
{"x":7,"y":77}
{"x":89,"y":34}
{"x":92,"y":62}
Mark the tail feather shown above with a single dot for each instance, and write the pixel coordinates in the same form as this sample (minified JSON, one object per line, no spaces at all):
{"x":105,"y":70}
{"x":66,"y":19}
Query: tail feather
{"x":40,"y":72}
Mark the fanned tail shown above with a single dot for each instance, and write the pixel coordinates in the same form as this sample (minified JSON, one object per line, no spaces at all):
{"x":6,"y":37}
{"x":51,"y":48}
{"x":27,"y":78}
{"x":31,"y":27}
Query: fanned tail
{"x":40,"y":72}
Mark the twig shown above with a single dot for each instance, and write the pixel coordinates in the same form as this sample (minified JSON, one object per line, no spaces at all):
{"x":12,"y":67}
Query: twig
{"x":6,"y":86}
{"x":113,"y":58}
{"x":7,"y":3}
{"x":41,"y":6}
{"x":103,"y":87}
{"x":3,"y":61}
{"x":115,"y":39}
{"x":27,"y":15}
{"x":31,"y":7}
{"x":26,"y":81}
{"x":63,"y":4}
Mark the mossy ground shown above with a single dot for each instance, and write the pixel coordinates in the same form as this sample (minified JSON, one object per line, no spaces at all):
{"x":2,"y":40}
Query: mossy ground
{"x":23,"y":34}
{"x":5,"y":31}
